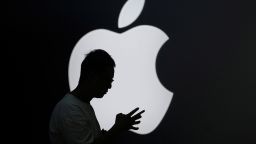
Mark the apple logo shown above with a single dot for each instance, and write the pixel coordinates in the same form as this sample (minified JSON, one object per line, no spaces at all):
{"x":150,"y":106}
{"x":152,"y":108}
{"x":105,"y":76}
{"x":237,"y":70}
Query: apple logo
{"x":136,"y":83}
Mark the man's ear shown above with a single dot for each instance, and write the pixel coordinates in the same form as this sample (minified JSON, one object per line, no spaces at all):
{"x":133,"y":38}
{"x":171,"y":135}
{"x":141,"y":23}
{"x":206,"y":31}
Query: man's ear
{"x":92,"y":76}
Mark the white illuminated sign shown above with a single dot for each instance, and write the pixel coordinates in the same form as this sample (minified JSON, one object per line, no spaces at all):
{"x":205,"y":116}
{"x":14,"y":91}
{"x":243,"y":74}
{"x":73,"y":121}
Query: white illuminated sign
{"x":135,"y":82}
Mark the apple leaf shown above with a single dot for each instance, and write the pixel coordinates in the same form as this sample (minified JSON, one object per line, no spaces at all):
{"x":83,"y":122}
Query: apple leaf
{"x":130,"y":12}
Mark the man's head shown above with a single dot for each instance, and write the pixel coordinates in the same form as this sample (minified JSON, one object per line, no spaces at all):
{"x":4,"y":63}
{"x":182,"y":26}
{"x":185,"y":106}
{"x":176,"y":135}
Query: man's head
{"x":97,"y":69}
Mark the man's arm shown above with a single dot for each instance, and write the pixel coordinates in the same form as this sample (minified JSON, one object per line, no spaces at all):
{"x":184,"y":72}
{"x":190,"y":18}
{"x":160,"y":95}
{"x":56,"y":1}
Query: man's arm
{"x":123,"y":122}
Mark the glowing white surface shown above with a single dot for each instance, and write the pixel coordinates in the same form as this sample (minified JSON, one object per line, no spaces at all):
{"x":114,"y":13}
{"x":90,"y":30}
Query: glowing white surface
{"x":135,"y":82}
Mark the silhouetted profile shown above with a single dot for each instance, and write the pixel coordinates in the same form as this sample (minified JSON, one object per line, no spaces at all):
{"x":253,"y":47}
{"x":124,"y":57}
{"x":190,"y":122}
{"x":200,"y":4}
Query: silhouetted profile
{"x":73,"y":120}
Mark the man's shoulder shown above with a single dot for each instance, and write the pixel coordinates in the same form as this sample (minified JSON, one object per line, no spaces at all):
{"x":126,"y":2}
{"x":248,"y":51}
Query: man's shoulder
{"x":68,"y":101}
{"x":66,"y":108}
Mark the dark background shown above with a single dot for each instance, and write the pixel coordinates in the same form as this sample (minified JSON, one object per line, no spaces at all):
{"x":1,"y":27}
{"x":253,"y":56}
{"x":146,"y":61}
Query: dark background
{"x":208,"y":63}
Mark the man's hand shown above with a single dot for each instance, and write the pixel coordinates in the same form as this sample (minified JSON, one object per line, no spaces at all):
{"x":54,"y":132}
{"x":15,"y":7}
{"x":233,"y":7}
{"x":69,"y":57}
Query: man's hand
{"x":126,"y":122}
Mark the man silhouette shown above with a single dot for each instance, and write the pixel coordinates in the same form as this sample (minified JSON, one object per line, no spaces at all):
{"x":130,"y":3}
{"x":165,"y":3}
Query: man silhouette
{"x":73,"y":120}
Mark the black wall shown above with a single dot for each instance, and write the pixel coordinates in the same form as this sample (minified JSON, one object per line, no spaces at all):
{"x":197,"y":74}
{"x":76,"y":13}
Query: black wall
{"x":208,"y":63}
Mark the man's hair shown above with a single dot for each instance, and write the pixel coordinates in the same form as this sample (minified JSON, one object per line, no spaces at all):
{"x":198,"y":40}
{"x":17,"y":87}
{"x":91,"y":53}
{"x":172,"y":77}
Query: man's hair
{"x":95,"y":62}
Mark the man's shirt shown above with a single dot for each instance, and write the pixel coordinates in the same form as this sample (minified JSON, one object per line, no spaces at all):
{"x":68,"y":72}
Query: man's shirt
{"x":73,"y":122}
